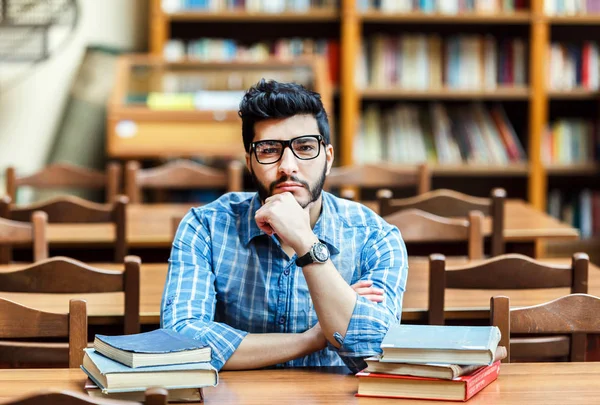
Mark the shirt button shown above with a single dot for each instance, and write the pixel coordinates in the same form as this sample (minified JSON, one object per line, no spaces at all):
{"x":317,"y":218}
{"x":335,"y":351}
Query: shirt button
{"x":286,"y":272}
{"x":282,"y":320}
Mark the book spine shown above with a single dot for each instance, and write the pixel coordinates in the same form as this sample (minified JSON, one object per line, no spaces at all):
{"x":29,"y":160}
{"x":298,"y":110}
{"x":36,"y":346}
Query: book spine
{"x":481,"y":379}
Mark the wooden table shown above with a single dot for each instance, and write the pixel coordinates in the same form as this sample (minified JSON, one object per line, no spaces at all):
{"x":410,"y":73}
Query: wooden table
{"x":149,"y":226}
{"x":524,"y":383}
{"x":107,"y":308}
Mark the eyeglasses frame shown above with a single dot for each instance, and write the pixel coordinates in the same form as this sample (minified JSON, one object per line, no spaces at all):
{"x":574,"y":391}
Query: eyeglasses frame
{"x":287,"y":144}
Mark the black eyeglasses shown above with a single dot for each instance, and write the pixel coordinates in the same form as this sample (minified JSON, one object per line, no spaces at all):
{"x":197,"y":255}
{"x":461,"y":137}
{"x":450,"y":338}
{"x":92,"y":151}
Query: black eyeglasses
{"x":305,"y":147}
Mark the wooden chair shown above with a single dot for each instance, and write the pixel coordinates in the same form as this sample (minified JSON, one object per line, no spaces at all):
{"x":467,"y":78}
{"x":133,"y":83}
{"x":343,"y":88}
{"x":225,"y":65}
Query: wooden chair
{"x":450,"y":203}
{"x":575,"y":314}
{"x":419,"y":226}
{"x":63,"y":275}
{"x":181,"y":174}
{"x":154,"y":396}
{"x":64,"y":175}
{"x":71,"y":209}
{"x":21,"y":322}
{"x":15,"y":232}
{"x":505,"y":272}
{"x":378,"y":176}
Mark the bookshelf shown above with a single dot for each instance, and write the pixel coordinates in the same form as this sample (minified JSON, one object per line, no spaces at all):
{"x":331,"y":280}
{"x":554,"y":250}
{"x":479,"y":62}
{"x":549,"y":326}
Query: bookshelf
{"x":353,"y":26}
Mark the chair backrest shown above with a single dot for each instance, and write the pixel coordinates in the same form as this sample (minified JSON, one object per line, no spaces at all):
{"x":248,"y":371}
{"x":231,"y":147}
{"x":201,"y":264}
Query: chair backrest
{"x":19,"y":322}
{"x":65,"y":175}
{"x":71,"y":209}
{"x":450,"y":203}
{"x":575,"y":314}
{"x":504,"y":272}
{"x":154,"y":396}
{"x":16,"y":232}
{"x":63,"y":275}
{"x":419,"y":226}
{"x":379,"y":176}
{"x":181,"y":174}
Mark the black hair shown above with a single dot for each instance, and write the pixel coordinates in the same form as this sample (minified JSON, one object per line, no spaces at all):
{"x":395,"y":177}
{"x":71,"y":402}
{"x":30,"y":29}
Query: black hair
{"x":272,"y":99}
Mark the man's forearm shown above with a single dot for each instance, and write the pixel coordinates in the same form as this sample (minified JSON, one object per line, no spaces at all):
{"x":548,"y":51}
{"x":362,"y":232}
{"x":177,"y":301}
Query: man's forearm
{"x":262,"y":350}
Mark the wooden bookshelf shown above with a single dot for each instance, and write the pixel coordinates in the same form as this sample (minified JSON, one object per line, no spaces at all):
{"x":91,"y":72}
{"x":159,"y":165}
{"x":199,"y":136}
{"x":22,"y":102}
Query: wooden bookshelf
{"x":574,"y":94}
{"x":501,"y":93}
{"x":375,"y":16}
{"x":312,"y":16}
{"x":535,"y":97}
{"x":470,"y":170}
{"x":578,"y":169}
{"x":589,"y":19}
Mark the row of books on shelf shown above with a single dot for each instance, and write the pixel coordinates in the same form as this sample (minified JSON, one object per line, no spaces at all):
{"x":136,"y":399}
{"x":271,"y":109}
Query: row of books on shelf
{"x":123,"y":367}
{"x":451,"y":363}
{"x":581,"y":210}
{"x":438,"y":134}
{"x":218,"y":49}
{"x":572,"y":141}
{"x":426,"y":62}
{"x":571,"y":7}
{"x":573,"y":65}
{"x":267,"y":6}
{"x":441,"y":6}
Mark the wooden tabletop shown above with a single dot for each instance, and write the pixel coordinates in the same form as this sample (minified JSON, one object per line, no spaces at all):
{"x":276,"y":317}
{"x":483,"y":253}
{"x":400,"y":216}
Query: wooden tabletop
{"x":518,"y":383}
{"x":149,"y":225}
{"x":107,"y":308}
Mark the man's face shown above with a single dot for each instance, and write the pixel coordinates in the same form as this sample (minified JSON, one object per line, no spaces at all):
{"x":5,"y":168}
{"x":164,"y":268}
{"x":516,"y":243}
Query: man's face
{"x":303,"y":178}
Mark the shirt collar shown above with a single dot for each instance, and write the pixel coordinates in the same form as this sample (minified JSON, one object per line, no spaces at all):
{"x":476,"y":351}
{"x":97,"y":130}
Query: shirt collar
{"x":324,"y":229}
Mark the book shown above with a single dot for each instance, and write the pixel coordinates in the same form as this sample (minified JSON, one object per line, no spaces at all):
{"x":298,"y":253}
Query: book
{"x":440,"y":344}
{"x":175,"y":395}
{"x":397,"y":386}
{"x":111,"y":376}
{"x":155,"y":348}
{"x":428,"y":370}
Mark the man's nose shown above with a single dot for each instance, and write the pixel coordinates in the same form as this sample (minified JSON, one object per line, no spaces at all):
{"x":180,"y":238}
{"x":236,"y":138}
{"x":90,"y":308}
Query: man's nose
{"x":288,"y":163}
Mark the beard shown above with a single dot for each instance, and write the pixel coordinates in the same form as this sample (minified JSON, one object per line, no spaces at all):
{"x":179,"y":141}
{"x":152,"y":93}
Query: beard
{"x":314,"y":190}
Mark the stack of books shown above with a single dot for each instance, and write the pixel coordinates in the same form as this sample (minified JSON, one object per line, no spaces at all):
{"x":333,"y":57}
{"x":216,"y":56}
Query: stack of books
{"x":123,"y":367}
{"x":450,"y":363}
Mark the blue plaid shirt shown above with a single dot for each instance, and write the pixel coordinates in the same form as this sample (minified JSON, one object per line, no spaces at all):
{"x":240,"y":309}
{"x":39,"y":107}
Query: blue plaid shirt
{"x":228,"y":278}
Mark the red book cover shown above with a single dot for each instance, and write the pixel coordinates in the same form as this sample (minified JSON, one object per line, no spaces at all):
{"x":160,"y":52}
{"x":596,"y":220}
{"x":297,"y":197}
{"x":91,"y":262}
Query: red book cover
{"x":333,"y":56}
{"x":473,"y":383}
{"x":585,"y":65}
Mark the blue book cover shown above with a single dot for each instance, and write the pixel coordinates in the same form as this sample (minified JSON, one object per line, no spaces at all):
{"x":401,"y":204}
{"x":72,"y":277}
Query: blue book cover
{"x":156,"y":341}
{"x":432,"y":340}
{"x":105,"y":372}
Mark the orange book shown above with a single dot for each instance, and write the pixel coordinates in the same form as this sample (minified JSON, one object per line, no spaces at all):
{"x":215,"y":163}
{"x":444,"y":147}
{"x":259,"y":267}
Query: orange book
{"x":400,"y":386}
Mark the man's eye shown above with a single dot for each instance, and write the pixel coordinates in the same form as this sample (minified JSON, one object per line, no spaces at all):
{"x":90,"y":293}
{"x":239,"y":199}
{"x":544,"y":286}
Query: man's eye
{"x":269,"y":150}
{"x":305,"y":148}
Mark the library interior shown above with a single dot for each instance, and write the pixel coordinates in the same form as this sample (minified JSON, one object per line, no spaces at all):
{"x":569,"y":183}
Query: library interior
{"x":433,"y":231}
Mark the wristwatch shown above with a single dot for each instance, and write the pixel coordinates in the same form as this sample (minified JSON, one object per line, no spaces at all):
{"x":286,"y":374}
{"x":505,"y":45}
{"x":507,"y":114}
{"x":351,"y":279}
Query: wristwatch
{"x":318,"y":253}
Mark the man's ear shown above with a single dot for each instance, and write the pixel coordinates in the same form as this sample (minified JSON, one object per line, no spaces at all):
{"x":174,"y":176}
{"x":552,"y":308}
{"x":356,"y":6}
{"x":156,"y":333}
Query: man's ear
{"x":329,"y":155}
{"x":248,"y":162}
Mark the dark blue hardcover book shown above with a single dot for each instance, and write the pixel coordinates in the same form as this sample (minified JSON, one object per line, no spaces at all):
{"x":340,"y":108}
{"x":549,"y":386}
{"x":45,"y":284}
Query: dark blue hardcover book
{"x":158,"y":347}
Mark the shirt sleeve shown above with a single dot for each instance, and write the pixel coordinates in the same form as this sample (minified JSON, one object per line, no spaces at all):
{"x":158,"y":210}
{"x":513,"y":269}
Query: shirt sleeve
{"x":189,"y":297}
{"x":384,"y":261}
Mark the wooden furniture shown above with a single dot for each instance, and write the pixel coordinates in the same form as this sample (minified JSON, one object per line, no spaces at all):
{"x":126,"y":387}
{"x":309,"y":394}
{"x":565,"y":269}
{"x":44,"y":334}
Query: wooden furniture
{"x":575,"y":314}
{"x":140,"y":125}
{"x":379,"y":176}
{"x":418,"y":226}
{"x":181,"y":174}
{"x":15,"y":232}
{"x":74,"y":210}
{"x":536,"y":383}
{"x":52,"y":396}
{"x":506,"y":272}
{"x":510,"y":272}
{"x":450,"y":203}
{"x":62,"y":275}
{"x":67,"y":176}
{"x":460,"y":304}
{"x":19,"y":322}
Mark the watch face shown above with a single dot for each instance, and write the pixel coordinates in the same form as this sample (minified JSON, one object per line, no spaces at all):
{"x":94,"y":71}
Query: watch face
{"x":321,"y":252}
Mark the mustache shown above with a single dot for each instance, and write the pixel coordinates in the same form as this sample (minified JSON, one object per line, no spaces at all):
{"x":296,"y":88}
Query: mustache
{"x":288,"y":178}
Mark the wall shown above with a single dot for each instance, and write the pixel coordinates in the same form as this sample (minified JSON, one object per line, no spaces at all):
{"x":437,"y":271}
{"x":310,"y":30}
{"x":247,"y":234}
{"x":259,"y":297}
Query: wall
{"x":31,"y":109}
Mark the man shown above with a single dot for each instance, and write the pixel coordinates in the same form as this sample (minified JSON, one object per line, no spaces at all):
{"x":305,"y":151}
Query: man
{"x":291,"y":275}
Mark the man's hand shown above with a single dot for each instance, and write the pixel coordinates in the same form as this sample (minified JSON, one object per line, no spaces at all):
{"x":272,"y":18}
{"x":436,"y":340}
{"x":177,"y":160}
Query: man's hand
{"x":282,"y":215}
